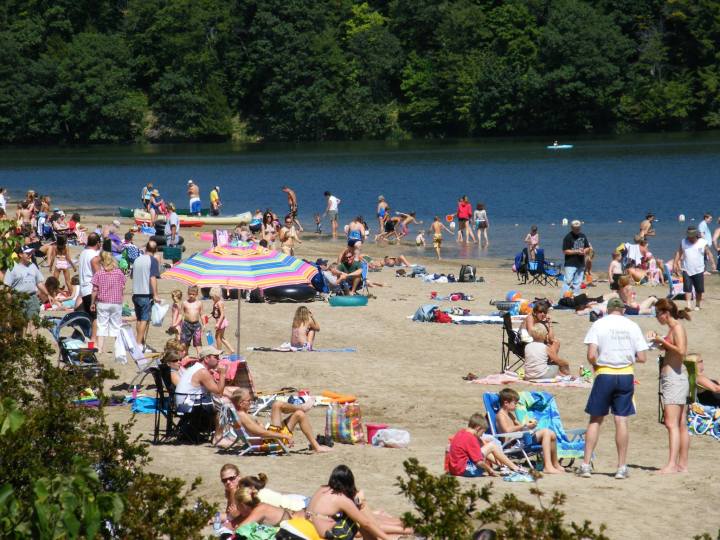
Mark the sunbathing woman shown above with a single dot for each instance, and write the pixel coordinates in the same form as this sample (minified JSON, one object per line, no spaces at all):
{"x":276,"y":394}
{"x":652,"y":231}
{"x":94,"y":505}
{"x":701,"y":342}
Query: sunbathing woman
{"x":674,"y":383}
{"x":628,"y":296}
{"x":708,"y":390}
{"x":338,"y":510}
{"x":304,"y":328}
{"x":230,"y":478}
{"x":638,"y":275}
{"x":249,"y":504}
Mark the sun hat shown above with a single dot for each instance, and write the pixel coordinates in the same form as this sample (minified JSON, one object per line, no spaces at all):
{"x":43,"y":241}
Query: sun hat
{"x":209,"y":350}
{"x":615,"y":304}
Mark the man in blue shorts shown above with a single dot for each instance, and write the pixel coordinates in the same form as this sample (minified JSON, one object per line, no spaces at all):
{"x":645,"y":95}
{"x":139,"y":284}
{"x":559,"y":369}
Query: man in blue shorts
{"x":614,"y":344}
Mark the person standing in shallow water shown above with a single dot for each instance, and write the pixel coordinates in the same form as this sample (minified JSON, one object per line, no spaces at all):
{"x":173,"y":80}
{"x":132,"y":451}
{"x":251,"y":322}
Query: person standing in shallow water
{"x":332,"y":211}
{"x":193,"y":191}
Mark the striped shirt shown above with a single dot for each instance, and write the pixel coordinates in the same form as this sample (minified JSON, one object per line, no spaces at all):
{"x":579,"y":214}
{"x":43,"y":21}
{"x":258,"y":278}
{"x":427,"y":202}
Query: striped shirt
{"x":109,"y":286}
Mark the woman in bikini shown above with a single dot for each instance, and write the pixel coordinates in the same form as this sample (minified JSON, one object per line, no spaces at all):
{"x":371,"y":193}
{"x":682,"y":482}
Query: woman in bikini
{"x":628,"y":296}
{"x":338,"y":510}
{"x":674,"y":383}
{"x":269,"y":229}
{"x":249,"y":502}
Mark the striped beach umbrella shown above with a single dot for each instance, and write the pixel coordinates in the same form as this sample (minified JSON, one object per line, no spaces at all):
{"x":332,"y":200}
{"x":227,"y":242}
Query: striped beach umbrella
{"x":245,"y":267}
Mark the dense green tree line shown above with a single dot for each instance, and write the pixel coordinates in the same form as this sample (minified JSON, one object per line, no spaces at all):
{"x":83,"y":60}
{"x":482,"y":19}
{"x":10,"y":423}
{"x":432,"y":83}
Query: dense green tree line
{"x":119,"y":70}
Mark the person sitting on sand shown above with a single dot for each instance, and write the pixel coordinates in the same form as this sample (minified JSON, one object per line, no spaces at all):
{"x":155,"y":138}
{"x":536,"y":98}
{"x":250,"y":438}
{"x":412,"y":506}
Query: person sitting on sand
{"x":637,"y":274}
{"x":250,"y":506}
{"x":279,"y":428}
{"x":350,"y":269}
{"x":541,"y":359}
{"x":304,"y":328}
{"x":230,"y":478}
{"x":507,"y":423}
{"x":628,"y":296}
{"x":708,"y":390}
{"x":469,"y":453}
{"x":338,"y":510}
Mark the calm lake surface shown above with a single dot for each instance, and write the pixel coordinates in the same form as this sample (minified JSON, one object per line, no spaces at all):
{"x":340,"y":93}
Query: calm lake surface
{"x":609,"y":184}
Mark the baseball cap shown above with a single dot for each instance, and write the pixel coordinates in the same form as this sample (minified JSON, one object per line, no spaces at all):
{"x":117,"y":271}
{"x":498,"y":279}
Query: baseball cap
{"x":321,"y":262}
{"x":575,"y":223}
{"x":615,"y":304}
{"x":209,"y":350}
{"x":26,"y":249}
{"x":692,"y":231}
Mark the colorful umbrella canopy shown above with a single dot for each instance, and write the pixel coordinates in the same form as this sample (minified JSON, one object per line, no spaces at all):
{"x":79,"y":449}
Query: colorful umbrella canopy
{"x":248,"y":267}
{"x":244,"y":267}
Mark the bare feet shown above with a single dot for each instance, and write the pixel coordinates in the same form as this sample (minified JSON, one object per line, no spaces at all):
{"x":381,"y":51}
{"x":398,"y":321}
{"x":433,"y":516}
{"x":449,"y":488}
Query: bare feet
{"x":553,"y":470}
{"x":668,"y":469}
{"x":322,"y":449}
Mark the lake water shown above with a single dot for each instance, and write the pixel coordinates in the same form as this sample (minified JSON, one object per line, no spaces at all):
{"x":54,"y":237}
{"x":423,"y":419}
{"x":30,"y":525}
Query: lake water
{"x":609,"y":184}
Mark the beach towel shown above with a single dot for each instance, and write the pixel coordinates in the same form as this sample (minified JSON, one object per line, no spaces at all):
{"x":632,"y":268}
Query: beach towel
{"x":288,"y":348}
{"x":476,"y":319}
{"x":511,"y":377}
{"x":541,"y":407}
{"x":704,"y":420}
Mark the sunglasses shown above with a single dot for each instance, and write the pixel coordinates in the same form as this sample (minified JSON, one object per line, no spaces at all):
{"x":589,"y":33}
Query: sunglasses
{"x":228,"y":479}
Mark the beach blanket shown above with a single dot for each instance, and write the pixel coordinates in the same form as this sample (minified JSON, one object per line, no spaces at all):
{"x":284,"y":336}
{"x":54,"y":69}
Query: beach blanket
{"x":704,"y":420}
{"x":510,"y":377}
{"x":288,"y":348}
{"x":541,"y":407}
{"x":476,"y":319}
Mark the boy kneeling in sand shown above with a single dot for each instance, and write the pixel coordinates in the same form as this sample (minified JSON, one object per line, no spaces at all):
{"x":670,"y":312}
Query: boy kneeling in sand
{"x":469,"y":455}
{"x":508,"y":423}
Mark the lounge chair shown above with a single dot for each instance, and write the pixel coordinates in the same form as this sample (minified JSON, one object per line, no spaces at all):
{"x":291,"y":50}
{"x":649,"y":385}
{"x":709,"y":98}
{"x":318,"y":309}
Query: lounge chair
{"x":141,"y":359}
{"x":542,"y":407}
{"x":242,"y":442}
{"x":512,"y":354}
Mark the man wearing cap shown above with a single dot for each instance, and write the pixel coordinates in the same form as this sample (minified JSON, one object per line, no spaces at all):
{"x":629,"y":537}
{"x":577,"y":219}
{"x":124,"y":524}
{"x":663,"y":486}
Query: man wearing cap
{"x":614,"y":344}
{"x":690,"y":258}
{"x":25,"y":277}
{"x":197,"y":382}
{"x":193,"y":192}
{"x":575,"y":247}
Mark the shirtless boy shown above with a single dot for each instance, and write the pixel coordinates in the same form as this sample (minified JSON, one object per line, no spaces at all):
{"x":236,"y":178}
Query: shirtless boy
{"x":192,"y":325}
{"x":436,"y":227}
{"x":293,"y":206}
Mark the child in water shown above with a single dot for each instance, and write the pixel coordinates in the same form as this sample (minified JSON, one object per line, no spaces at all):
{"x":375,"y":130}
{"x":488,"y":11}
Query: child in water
{"x":318,"y":224}
{"x":221,"y":322}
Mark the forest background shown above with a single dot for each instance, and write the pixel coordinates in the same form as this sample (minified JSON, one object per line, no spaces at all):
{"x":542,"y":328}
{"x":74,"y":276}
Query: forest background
{"x":90,"y":71}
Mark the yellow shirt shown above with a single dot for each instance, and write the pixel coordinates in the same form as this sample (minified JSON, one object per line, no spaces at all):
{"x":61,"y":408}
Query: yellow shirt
{"x":214,"y":197}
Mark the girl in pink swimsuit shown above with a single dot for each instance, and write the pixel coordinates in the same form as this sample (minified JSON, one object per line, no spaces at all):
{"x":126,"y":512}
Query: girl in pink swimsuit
{"x":221,"y":322}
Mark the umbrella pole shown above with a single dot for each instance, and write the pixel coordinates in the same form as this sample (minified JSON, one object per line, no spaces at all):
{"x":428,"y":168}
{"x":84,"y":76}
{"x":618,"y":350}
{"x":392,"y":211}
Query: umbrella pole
{"x":237,"y":330}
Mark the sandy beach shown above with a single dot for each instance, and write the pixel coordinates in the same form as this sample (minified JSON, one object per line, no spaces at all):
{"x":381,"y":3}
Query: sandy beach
{"x":409,"y":375}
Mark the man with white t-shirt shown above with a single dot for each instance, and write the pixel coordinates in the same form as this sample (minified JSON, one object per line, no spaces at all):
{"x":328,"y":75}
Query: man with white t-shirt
{"x":332,"y":211}
{"x":88,"y":264}
{"x":614,"y":344}
{"x":690,"y":258}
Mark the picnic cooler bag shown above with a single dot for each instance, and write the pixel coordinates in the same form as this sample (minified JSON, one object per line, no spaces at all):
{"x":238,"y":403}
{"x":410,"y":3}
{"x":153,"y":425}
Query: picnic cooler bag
{"x":344,"y":423}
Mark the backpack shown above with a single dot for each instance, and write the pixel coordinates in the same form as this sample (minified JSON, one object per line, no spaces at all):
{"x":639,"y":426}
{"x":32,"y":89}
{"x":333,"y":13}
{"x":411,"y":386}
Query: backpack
{"x":467,"y":273}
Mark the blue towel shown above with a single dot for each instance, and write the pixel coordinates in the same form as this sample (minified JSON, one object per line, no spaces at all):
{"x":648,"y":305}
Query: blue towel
{"x":541,"y":406}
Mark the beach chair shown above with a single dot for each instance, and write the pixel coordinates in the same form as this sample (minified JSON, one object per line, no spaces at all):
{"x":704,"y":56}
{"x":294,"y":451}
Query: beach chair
{"x":243,"y":443}
{"x":141,"y":359}
{"x":552,"y":271}
{"x":194,"y":426}
{"x":542,"y":407}
{"x":364,"y":284}
{"x":512,"y":354}
{"x":521,"y":266}
{"x":536,"y":268}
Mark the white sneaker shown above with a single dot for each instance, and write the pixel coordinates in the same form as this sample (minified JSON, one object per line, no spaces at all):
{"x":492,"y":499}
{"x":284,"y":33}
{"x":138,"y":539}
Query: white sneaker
{"x":584,"y":470}
{"x":622,"y":473}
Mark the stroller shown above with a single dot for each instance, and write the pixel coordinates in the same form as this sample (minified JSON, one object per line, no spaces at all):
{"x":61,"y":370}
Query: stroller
{"x":74,"y":352}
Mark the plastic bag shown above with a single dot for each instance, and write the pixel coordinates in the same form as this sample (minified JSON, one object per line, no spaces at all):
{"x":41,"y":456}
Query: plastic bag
{"x":158,"y":313}
{"x":391,"y":438}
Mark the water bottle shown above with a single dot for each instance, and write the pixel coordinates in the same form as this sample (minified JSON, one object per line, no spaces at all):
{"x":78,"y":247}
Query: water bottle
{"x":134,"y":392}
{"x":217,"y":524}
{"x":210,"y":338}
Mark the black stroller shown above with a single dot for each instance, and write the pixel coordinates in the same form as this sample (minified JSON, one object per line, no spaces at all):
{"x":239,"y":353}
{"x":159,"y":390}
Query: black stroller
{"x":74,"y":352}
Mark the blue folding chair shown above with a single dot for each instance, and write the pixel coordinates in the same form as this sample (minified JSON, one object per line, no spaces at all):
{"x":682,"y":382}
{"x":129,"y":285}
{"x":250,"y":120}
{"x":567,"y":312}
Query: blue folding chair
{"x":517,"y":445}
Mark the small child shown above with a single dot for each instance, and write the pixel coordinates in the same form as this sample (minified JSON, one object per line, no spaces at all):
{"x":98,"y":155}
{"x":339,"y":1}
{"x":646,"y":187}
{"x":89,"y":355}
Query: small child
{"x":508,"y":423}
{"x":468,"y":454}
{"x":221,"y":322}
{"x":420,"y":239}
{"x":318,"y":224}
{"x":304,"y":328}
{"x":176,"y":319}
{"x":192,"y":324}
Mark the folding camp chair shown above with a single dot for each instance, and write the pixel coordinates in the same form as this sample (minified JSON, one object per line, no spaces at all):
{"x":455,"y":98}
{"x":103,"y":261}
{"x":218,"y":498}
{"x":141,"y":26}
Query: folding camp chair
{"x":551,"y":270}
{"x":512,"y":354}
{"x":194,"y":426}
{"x":364,"y":274}
{"x":521,"y":266}
{"x":242,"y":442}
{"x":535,"y":268}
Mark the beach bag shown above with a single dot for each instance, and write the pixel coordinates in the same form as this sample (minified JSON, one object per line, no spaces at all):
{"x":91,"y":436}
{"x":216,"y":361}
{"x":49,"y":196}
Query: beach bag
{"x":158,"y":313}
{"x":467,"y":274}
{"x":344,"y":423}
{"x":425,"y":313}
{"x":391,"y":438}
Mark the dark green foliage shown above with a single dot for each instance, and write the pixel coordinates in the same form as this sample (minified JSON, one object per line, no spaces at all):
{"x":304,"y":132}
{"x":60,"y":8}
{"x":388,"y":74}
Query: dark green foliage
{"x":104,"y":71}
{"x":444,"y":511}
{"x":65,"y":472}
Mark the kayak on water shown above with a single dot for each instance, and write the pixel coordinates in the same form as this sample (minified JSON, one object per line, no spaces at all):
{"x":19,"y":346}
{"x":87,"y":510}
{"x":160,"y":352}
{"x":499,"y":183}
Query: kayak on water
{"x":130,"y":212}
{"x":198,"y":221}
{"x":559,"y":146}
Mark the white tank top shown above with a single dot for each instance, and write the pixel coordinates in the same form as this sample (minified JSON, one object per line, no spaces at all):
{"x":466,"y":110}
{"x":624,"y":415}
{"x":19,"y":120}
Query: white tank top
{"x":86,"y":272}
{"x":185,"y":391}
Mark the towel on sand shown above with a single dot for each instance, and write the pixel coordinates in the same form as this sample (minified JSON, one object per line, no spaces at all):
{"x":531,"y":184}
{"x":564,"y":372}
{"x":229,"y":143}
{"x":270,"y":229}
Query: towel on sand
{"x":510,"y":377}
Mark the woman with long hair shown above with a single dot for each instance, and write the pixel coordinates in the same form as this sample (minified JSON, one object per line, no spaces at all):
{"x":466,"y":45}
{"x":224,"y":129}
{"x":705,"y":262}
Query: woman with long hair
{"x":674,"y":383}
{"x":304,"y":328}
